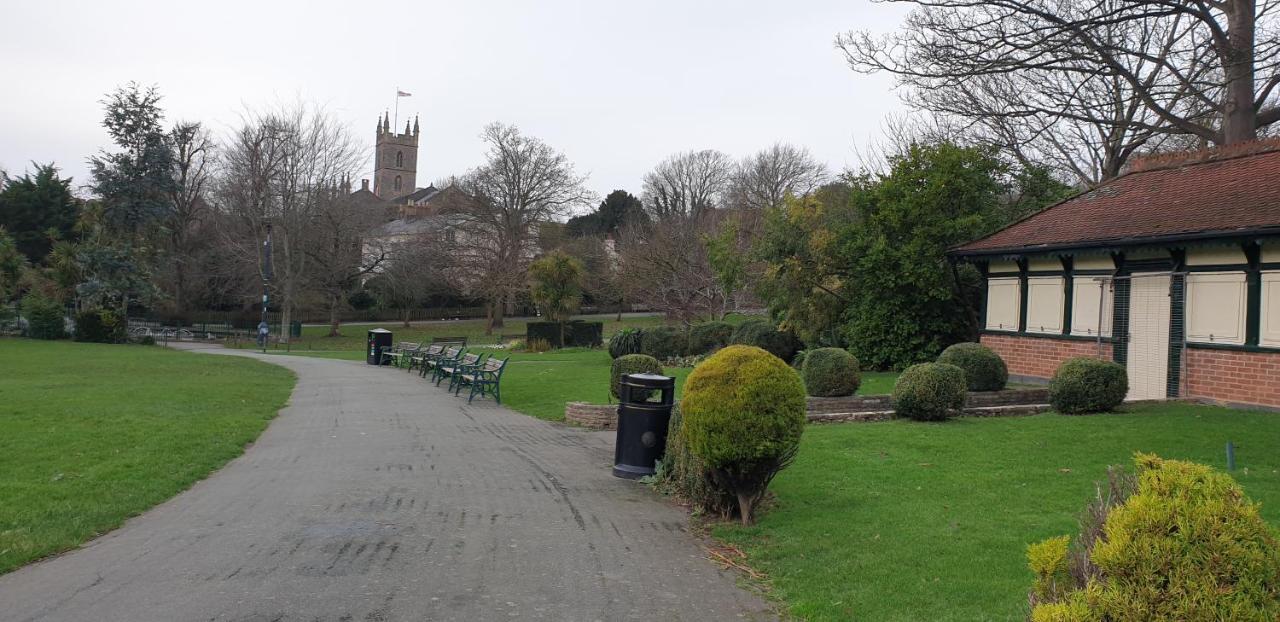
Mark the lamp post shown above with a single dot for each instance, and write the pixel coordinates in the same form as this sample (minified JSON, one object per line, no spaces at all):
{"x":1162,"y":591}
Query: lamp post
{"x":264,"y":329}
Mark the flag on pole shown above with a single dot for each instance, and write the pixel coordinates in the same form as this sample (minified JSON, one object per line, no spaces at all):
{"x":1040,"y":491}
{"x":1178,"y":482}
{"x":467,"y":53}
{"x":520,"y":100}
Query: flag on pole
{"x":400,"y":93}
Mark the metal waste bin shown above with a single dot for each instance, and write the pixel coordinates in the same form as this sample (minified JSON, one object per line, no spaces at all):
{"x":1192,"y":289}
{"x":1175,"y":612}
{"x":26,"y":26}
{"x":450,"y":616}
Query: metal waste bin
{"x":295,"y":328}
{"x":642,"y":423}
{"x":379,"y":341}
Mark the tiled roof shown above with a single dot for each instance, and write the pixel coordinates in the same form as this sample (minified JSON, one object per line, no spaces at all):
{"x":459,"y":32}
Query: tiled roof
{"x":1203,"y":194}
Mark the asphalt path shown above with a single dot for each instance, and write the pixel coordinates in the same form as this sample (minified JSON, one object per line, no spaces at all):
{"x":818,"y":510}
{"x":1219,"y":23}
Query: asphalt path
{"x":375,"y":495}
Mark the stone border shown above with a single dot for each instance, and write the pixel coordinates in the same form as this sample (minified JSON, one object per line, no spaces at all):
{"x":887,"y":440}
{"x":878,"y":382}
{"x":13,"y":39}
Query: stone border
{"x":1010,"y":402}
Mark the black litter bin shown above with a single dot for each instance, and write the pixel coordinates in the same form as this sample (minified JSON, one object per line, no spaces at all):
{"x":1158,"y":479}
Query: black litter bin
{"x":379,"y":341}
{"x":644,"y":411}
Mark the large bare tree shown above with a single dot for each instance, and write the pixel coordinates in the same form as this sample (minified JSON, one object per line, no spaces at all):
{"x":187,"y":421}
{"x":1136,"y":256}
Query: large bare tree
{"x":279,"y":171}
{"x":763,"y":178}
{"x":1204,"y":68}
{"x":523,"y":182}
{"x":687,"y":184}
{"x":343,"y":250}
{"x":194,"y":158}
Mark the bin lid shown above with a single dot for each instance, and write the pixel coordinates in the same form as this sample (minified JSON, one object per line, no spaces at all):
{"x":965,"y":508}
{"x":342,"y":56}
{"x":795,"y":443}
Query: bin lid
{"x":379,"y":330}
{"x":649,"y":381}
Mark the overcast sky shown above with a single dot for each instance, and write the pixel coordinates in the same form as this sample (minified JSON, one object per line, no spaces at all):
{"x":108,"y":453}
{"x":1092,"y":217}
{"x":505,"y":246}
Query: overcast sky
{"x":617,"y":86}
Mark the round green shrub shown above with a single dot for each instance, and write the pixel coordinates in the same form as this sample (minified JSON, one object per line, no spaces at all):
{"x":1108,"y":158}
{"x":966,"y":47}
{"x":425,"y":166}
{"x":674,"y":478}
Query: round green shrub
{"x":1087,"y":385}
{"x":685,"y":475}
{"x":625,"y":341}
{"x":984,"y":370}
{"x":631,"y":364}
{"x":1187,"y":544}
{"x":830,"y":372}
{"x":761,"y":333}
{"x":709,"y":336}
{"x":664,"y":342}
{"x":45,"y":317}
{"x":100,"y":326}
{"x":744,"y":412}
{"x":929,"y":392}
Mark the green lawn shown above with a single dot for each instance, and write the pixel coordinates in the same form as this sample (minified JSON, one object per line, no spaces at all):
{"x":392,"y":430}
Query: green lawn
{"x":912,"y":521}
{"x":92,"y":434}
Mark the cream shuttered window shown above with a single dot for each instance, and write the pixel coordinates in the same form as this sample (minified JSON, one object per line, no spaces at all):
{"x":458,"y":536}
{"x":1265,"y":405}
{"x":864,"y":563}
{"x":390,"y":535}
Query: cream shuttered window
{"x":1091,"y":307}
{"x":1216,"y":307}
{"x":1269,"y":326}
{"x":1045,"y":304}
{"x":1002,"y":303}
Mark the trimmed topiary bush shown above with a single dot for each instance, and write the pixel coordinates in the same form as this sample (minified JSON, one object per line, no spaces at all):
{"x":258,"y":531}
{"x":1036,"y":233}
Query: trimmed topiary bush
{"x":625,"y":341}
{"x":685,"y":475}
{"x":830,"y":372}
{"x":929,"y":392}
{"x":100,"y":326}
{"x":664,"y":342}
{"x":984,"y":370}
{"x":709,"y":336}
{"x":761,"y":333}
{"x":631,"y":364}
{"x":45,"y":317}
{"x":744,"y":412}
{"x":1088,"y":385}
{"x":1187,"y":544}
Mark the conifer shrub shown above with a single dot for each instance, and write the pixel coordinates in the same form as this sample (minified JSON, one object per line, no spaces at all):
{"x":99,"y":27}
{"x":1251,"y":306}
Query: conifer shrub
{"x":762,"y":333}
{"x":45,"y":317}
{"x":744,"y":412}
{"x":685,"y":475}
{"x":625,"y":341}
{"x":1184,"y":543}
{"x":984,"y":370}
{"x":929,"y":392}
{"x":709,"y":336}
{"x":631,"y":364}
{"x":830,"y":372}
{"x":664,"y":342}
{"x":1087,"y":385}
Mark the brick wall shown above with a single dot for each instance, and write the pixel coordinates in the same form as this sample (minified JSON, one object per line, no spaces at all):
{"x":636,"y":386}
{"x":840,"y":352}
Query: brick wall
{"x":1234,"y":377}
{"x":594,"y":416}
{"x":1039,"y":357}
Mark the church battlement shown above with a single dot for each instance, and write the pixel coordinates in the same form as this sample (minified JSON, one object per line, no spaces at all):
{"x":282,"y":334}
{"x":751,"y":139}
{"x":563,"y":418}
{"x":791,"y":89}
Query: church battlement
{"x":395,"y":159}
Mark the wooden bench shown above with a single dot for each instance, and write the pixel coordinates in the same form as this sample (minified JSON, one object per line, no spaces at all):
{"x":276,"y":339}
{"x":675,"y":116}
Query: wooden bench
{"x":485,"y":379}
{"x":462,"y":341}
{"x":454,"y":370}
{"x":450,"y":355}
{"x":397,"y":354}
{"x":422,"y":355}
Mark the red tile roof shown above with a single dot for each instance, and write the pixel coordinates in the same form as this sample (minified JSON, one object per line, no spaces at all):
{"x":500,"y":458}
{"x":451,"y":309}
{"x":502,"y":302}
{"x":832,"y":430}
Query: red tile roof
{"x":1201,"y":194}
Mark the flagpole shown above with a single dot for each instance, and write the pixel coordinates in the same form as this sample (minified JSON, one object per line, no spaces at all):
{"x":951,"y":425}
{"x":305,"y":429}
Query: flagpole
{"x":397,"y":121}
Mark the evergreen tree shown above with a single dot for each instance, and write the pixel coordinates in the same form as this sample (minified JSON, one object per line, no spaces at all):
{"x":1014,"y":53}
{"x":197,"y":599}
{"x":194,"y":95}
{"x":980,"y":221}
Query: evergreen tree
{"x":37,"y":210}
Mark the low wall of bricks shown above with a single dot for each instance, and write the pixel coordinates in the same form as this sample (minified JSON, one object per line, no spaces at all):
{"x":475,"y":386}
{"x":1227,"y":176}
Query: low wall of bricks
{"x":1234,"y":377}
{"x":594,"y":416}
{"x":1039,"y":357}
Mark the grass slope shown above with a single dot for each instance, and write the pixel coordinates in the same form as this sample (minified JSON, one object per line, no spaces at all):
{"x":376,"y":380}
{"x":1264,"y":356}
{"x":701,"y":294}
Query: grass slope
{"x":93,"y":434}
{"x":911,"y":521}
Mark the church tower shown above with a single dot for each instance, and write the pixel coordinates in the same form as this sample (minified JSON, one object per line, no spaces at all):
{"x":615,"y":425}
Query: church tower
{"x":395,"y":160}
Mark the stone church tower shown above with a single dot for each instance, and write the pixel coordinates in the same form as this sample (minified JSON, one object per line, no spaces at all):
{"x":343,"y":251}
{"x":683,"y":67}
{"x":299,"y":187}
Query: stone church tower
{"x":395,"y":160}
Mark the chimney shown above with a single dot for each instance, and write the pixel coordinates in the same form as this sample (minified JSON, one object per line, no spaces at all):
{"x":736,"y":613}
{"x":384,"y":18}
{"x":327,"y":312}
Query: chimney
{"x":364,"y":185}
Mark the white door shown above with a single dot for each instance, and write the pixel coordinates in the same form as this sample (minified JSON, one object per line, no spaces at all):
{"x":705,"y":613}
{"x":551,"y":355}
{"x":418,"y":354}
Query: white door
{"x":1148,"y":357}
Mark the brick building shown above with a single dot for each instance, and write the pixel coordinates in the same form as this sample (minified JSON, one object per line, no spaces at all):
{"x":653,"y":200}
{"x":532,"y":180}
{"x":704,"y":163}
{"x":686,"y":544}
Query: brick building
{"x":1171,"y":269}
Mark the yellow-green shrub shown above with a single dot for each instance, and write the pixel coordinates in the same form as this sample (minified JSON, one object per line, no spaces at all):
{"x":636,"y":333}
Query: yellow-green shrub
{"x":1187,"y":545}
{"x":744,"y":411}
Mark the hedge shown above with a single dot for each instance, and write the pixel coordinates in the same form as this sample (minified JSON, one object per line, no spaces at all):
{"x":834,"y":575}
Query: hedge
{"x":830,"y":372}
{"x":761,"y":333}
{"x":709,"y":336}
{"x":984,"y":370}
{"x":1088,"y":385}
{"x":929,"y":392}
{"x":664,"y":342}
{"x":576,"y":333}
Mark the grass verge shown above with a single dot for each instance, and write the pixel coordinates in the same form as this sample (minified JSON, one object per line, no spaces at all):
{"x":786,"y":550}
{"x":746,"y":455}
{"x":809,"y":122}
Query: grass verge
{"x":93,"y":434}
{"x":913,"y":521}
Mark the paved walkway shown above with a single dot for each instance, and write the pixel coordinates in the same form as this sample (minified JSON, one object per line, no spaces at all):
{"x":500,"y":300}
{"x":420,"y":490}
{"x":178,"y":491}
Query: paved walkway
{"x":376,"y":496}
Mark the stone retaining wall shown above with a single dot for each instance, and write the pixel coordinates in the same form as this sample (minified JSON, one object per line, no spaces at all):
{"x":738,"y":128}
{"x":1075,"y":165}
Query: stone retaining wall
{"x":852,"y":408}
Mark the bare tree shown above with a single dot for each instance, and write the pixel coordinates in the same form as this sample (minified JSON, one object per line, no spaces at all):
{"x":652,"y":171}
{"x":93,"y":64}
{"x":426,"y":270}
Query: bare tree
{"x":194,"y":158}
{"x":666,"y":266}
{"x":688,"y":184}
{"x":342,"y":250}
{"x":765,"y":177}
{"x":414,"y":270}
{"x":523,"y":182}
{"x":1195,"y":67}
{"x":279,"y":172}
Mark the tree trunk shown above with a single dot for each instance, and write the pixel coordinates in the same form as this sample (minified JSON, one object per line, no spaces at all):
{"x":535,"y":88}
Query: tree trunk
{"x":286,"y":313}
{"x":404,"y":315}
{"x":335,"y":322}
{"x":747,"y":509}
{"x":495,"y":320}
{"x":1239,"y":117}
